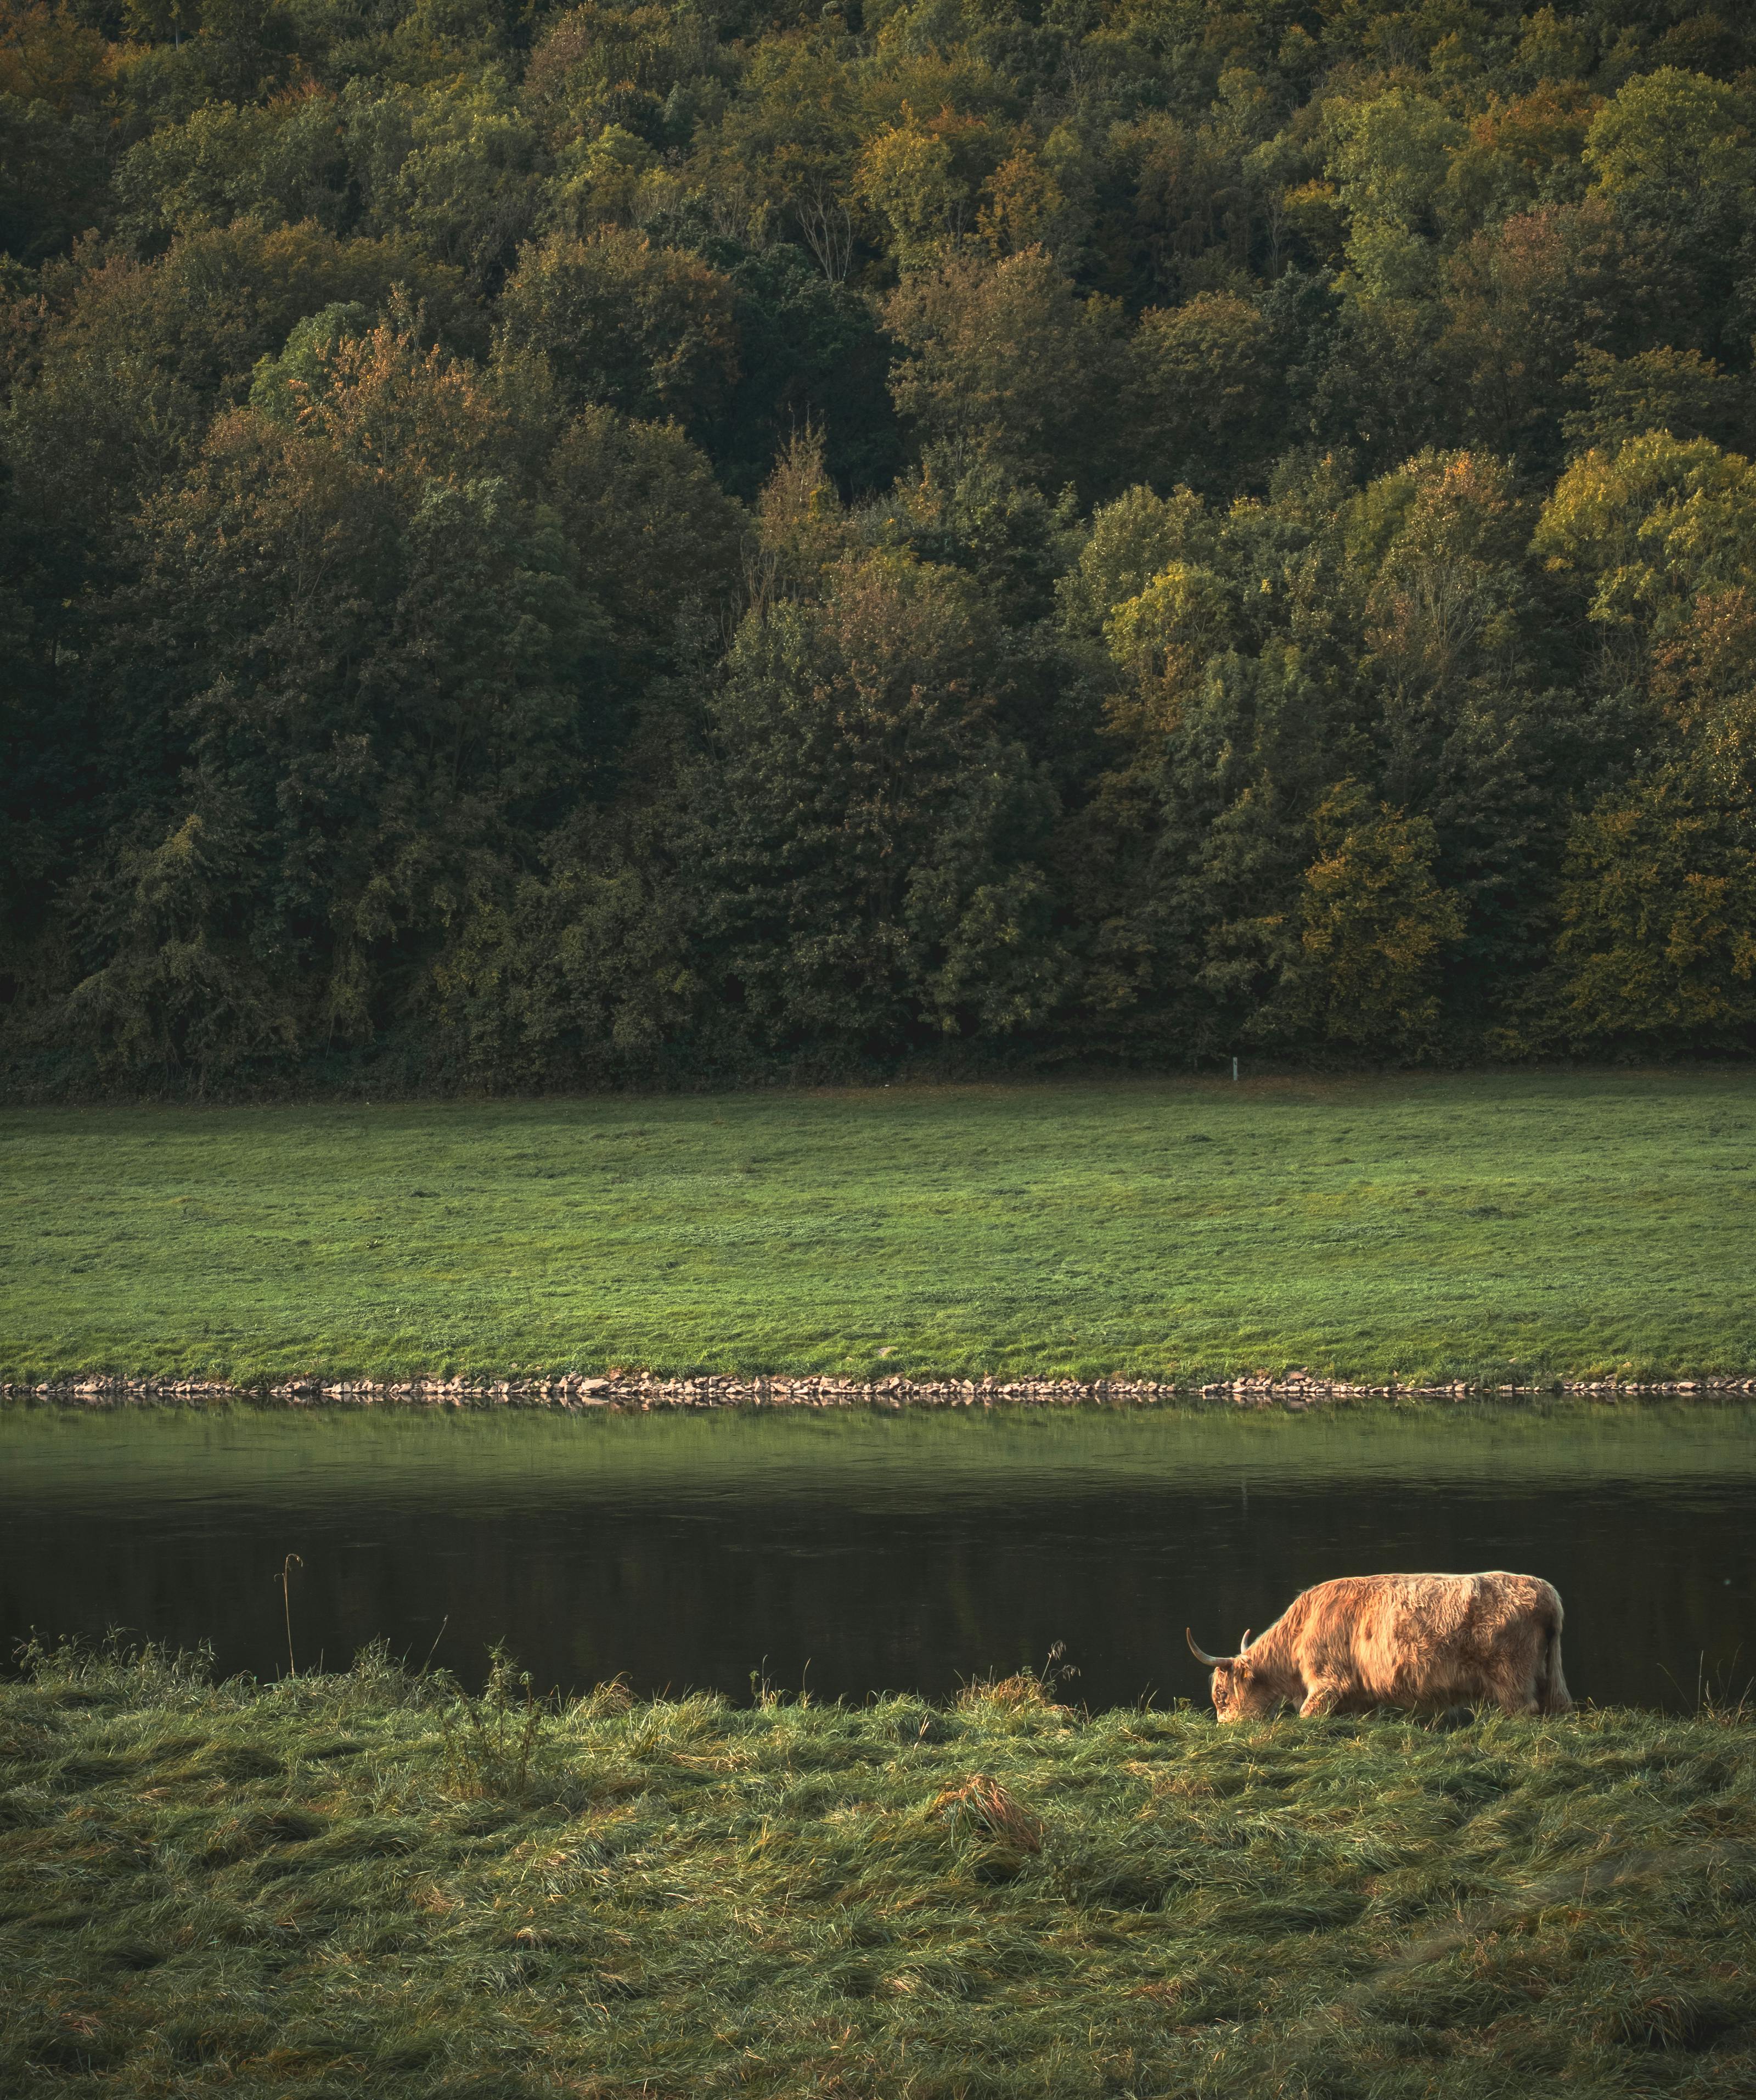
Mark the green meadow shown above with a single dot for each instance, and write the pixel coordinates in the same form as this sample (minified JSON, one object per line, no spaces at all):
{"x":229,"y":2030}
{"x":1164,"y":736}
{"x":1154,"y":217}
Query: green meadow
{"x":374,"y":1883}
{"x":1534,"y":1225}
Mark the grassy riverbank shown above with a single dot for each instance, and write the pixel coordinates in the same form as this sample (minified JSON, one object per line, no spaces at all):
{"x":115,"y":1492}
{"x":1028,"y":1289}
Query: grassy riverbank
{"x":335,"y":1884}
{"x":1565,"y":1224}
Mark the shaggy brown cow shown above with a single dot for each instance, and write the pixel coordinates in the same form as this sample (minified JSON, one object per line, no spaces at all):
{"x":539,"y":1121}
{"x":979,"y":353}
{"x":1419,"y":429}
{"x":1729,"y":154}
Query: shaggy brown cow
{"x":1422,"y":1641}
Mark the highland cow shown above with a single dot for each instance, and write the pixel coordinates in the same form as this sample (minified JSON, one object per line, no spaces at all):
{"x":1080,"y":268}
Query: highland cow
{"x":1423,"y":1642}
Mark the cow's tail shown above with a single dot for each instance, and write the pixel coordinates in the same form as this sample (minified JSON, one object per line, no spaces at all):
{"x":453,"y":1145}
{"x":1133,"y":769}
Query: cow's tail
{"x":1552,"y":1694}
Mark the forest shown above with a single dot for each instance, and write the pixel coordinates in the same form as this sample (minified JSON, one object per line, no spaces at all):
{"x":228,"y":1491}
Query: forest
{"x":553,"y":545}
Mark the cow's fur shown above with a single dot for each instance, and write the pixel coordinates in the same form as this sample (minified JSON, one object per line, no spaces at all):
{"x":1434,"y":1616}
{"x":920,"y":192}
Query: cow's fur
{"x":1425,"y":1641}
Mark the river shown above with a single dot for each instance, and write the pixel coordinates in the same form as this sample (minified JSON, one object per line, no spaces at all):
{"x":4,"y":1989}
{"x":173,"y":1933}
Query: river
{"x":849,"y":1553}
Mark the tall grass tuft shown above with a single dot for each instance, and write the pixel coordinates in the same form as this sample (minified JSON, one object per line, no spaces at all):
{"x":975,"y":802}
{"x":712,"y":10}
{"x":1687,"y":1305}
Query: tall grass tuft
{"x":1025,"y":1692}
{"x":983,"y":1804}
{"x":491,"y":1741}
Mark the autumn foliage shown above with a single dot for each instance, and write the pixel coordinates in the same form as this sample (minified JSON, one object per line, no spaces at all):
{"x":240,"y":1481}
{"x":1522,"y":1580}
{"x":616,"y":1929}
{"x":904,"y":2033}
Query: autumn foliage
{"x":584,"y":545}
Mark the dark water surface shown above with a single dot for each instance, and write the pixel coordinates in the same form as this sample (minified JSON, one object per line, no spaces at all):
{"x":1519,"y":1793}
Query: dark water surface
{"x":860,"y":1552}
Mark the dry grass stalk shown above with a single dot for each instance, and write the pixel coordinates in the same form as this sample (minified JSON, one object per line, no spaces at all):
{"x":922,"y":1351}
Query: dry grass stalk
{"x":604,"y":1700}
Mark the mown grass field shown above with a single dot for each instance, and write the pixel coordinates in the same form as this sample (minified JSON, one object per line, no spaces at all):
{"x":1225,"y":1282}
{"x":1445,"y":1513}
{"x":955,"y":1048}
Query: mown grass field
{"x":1564,"y":1224}
{"x":335,"y":1885}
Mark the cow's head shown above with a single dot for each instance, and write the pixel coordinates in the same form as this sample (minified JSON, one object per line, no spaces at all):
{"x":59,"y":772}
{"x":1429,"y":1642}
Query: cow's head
{"x":1239,"y":1693}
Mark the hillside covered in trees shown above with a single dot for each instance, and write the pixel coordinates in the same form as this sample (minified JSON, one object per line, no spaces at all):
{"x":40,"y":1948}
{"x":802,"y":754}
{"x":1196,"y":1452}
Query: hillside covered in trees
{"x":562,"y":545}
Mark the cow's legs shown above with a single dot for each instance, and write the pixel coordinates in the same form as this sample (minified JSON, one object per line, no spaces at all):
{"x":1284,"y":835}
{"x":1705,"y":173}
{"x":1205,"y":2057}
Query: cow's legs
{"x":1515,"y":1676}
{"x":1516,"y":1695}
{"x":1322,"y":1698}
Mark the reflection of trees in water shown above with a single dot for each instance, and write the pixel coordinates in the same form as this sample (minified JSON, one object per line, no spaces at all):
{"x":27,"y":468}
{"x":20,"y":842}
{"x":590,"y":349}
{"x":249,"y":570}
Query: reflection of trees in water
{"x":915,"y":1598}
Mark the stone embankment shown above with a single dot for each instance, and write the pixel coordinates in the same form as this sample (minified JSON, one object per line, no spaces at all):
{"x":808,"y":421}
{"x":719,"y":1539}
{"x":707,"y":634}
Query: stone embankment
{"x":636,"y":1392}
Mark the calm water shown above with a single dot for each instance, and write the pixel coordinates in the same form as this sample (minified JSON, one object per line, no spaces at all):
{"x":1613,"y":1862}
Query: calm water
{"x":859,"y":1553}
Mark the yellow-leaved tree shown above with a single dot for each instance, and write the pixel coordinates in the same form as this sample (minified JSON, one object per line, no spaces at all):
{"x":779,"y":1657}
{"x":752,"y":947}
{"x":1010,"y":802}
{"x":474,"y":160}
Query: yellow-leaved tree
{"x":1659,"y":895}
{"x":1377,"y":923}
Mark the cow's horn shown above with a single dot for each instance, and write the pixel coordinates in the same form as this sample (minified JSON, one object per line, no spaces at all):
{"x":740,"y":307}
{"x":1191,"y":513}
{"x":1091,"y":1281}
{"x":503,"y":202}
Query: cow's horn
{"x":1200,"y":1654}
{"x":1245,"y":1642}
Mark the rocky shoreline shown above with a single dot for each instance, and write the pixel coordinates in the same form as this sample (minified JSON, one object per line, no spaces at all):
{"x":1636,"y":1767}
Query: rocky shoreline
{"x":638,"y":1392}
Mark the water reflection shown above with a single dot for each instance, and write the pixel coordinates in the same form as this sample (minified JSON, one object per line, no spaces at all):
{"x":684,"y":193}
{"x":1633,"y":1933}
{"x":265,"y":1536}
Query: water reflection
{"x":850,"y":1555}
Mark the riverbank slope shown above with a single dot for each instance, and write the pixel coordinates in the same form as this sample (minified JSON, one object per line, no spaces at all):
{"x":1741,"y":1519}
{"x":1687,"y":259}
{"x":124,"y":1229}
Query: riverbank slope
{"x":333,"y":1883}
{"x":1514,"y":1230}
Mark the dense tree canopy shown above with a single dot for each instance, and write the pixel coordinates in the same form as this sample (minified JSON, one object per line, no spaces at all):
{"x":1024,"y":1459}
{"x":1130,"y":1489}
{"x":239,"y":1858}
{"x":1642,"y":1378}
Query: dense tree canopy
{"x":556,"y":544}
